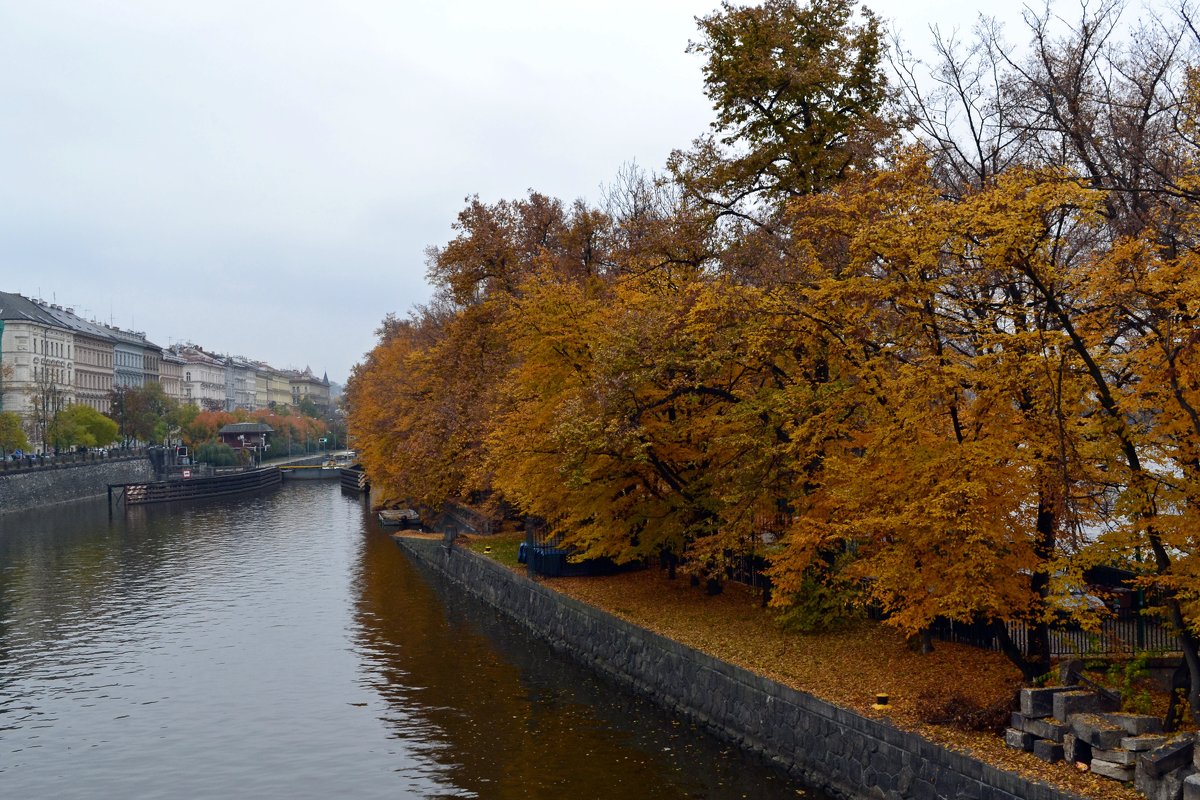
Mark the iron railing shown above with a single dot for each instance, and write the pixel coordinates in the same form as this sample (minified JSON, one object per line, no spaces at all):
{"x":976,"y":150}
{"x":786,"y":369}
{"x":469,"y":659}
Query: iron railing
{"x":1112,"y":637}
{"x":32,"y":463}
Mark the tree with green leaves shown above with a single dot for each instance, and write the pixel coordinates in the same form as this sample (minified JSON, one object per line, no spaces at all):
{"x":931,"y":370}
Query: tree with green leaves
{"x":308,"y":407}
{"x":81,"y":425}
{"x":217,"y":454}
{"x":12,"y":435}
{"x":801,"y":101}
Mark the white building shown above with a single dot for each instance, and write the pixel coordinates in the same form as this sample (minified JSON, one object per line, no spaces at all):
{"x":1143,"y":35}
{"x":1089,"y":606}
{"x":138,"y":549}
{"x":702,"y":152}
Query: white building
{"x":241,"y":386}
{"x":203,"y":377}
{"x":37,"y":364}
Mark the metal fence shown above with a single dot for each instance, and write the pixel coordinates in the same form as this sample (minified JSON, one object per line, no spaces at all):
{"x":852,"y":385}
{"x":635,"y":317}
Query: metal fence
{"x":1113,"y":637}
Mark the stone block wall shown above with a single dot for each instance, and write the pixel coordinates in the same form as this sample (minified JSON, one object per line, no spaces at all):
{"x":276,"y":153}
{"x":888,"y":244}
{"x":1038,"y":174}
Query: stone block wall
{"x":830,"y":748}
{"x":21,"y":491}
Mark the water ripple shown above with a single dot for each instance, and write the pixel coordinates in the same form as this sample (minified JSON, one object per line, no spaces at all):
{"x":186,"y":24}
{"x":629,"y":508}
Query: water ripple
{"x":281,"y":646}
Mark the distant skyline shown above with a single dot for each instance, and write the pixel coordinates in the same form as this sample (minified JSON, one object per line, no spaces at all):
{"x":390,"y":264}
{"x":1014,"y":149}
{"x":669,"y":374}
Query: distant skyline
{"x":262,"y":179}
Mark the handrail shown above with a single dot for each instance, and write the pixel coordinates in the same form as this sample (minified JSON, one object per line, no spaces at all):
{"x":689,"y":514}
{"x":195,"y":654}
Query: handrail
{"x":35,"y":463}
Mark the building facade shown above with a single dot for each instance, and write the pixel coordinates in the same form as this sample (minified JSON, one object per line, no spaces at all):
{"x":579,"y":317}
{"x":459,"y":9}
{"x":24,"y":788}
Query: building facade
{"x":306,"y":386}
{"x":94,"y":358}
{"x":129,"y":359}
{"x":37,"y":365}
{"x":171,"y":371}
{"x":241,"y":384}
{"x":203,"y":377}
{"x":274,"y":387}
{"x":151,"y":362}
{"x":50,"y":357}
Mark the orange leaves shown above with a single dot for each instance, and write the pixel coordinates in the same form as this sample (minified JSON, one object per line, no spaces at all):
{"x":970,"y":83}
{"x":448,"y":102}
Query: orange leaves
{"x":955,"y":405}
{"x":204,"y":426}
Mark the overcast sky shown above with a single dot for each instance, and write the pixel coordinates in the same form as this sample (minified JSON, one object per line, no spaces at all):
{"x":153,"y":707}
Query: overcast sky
{"x":262,"y":178}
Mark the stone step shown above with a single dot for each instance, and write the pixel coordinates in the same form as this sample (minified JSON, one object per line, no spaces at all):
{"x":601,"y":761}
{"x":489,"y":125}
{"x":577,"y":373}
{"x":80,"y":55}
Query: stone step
{"x":1165,"y":758}
{"x":1135,"y":724}
{"x":1066,"y":704}
{"x":1108,"y":769}
{"x":1039,"y":701}
{"x":1097,"y":731}
{"x":1019,"y":740}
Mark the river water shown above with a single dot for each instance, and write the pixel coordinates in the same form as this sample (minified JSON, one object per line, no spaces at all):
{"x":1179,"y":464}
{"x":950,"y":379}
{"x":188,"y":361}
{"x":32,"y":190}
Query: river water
{"x":282,"y":646}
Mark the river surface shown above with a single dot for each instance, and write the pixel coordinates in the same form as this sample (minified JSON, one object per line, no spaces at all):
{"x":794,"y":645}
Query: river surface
{"x":282,"y":646}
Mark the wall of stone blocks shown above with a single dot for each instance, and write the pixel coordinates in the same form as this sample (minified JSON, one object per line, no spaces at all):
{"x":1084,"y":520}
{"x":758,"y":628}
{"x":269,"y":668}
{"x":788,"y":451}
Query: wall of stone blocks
{"x":830,"y":748}
{"x":21,"y":491}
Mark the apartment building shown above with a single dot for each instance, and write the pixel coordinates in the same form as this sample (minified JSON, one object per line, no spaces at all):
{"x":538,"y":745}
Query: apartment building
{"x":37,"y":364}
{"x":94,"y":357}
{"x":203,"y":377}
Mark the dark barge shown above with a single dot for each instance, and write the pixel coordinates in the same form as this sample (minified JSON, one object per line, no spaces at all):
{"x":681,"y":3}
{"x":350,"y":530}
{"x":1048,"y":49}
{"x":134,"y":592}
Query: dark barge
{"x":177,"y":489}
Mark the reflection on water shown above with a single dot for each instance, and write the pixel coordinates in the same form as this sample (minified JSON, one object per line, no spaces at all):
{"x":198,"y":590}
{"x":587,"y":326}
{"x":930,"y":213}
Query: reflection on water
{"x":283,"y":646}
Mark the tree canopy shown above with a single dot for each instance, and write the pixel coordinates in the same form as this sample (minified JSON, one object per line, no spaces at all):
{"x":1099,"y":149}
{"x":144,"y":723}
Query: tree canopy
{"x":81,"y":425}
{"x":12,"y":435}
{"x":940,"y":374}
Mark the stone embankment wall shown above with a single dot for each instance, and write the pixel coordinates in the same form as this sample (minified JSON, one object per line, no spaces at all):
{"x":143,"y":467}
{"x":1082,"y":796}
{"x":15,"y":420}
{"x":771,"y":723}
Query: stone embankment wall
{"x":825,"y":746}
{"x":20,"y":491}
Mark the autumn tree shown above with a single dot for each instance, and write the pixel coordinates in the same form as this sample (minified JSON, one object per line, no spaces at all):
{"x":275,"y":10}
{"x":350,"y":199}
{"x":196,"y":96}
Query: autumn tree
{"x":288,"y":430}
{"x":421,"y":404}
{"x":1107,"y":102}
{"x":593,"y":440}
{"x":800,"y":97}
{"x":941,"y":379}
{"x":931,"y":455}
{"x":497,"y":245}
{"x":142,"y":413}
{"x":1129,"y":315}
{"x":204,"y":425}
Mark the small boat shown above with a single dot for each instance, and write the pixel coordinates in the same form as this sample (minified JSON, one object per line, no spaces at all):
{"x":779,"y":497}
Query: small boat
{"x":399,"y":518}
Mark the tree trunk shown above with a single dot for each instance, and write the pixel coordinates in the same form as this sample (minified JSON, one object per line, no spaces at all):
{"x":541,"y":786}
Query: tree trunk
{"x":1191,"y":655}
{"x":1181,"y":684}
{"x":1029,"y":669}
{"x":1038,"y":655}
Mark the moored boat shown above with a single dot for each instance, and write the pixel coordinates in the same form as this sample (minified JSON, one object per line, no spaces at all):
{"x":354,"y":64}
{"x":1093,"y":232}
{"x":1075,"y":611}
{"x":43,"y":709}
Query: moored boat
{"x":399,"y":518}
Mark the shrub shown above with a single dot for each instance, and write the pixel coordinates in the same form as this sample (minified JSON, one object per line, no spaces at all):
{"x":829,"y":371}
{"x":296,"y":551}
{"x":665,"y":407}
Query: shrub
{"x":217,"y":454}
{"x":963,"y":713}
